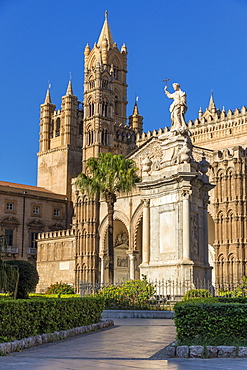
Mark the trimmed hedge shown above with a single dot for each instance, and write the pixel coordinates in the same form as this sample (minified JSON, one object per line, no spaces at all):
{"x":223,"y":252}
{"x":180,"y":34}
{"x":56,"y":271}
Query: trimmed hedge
{"x":60,"y":288}
{"x":24,"y":318}
{"x":210,"y":318}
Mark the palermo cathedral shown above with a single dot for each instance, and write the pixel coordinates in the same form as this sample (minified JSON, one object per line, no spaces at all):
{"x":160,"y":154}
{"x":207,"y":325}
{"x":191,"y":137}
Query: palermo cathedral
{"x":185,"y":220}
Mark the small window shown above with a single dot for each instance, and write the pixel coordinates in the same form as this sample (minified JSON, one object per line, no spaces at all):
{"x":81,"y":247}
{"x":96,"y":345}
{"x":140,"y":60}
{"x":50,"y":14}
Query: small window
{"x":56,"y":212}
{"x":10,"y":206}
{"x":9,"y":237}
{"x":33,"y":237}
{"x":36,"y":210}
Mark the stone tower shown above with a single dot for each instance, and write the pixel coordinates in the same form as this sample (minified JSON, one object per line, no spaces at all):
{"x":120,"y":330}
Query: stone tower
{"x":105,"y":98}
{"x":60,"y":154}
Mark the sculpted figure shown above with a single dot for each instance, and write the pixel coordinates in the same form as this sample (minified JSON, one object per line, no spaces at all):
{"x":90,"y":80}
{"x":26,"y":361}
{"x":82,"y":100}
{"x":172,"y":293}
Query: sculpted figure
{"x":178,"y":108}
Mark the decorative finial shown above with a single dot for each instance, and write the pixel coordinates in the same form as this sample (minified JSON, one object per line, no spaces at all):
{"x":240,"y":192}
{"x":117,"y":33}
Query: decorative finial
{"x":106,"y":15}
{"x":49,"y":85}
{"x":70,"y":76}
{"x":166,"y":81}
{"x":137,"y":98}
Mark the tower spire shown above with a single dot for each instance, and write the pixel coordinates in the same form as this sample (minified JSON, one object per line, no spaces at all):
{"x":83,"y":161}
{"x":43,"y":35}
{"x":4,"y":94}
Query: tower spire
{"x":69,"y":88}
{"x":106,"y":33}
{"x":48,"y":95}
{"x":211,"y":106}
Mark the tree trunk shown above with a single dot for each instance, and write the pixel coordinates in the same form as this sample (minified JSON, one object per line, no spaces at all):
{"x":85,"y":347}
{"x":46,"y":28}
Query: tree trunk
{"x":110,"y":199}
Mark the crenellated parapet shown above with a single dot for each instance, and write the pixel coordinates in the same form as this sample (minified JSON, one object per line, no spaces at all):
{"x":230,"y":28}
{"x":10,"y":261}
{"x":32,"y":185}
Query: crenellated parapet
{"x":144,"y":136}
{"x":57,"y":234}
{"x":219,"y":129}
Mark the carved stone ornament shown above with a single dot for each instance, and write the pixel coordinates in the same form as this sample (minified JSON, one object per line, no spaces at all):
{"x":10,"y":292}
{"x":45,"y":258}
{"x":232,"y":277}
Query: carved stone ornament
{"x":146,"y":164}
{"x":122,"y":238}
{"x":185,"y":154}
{"x":123,"y":261}
{"x":204,"y":165}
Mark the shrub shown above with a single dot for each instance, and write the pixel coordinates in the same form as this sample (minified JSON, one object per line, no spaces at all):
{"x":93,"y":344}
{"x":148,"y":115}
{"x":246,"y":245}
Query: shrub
{"x":60,"y":288}
{"x":45,"y":296}
{"x":28,"y":277}
{"x":23,"y":318}
{"x":196,"y":293}
{"x":210,"y":318}
{"x":132,"y":294}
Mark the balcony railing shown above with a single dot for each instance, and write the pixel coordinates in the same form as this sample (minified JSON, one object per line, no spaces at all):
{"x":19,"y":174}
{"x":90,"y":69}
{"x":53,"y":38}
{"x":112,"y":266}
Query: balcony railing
{"x":12,"y":250}
{"x":32,"y":251}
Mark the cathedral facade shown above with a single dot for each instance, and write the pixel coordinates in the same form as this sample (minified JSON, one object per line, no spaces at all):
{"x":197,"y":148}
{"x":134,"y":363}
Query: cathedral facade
{"x":192,"y":193}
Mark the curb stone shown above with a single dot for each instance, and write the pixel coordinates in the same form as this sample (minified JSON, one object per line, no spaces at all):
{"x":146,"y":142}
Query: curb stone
{"x":172,"y":351}
{"x":19,"y":345}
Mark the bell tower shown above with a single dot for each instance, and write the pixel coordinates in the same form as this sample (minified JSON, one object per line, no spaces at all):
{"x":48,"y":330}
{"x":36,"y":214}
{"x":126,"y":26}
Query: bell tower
{"x":105,"y":94}
{"x":60,"y":157}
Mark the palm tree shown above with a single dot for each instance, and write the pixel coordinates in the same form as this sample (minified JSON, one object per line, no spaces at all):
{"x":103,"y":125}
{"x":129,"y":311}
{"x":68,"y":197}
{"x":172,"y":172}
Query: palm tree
{"x":107,"y":175}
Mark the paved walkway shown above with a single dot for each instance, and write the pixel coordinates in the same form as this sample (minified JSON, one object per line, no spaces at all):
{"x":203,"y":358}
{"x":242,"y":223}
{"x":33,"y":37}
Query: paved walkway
{"x":128,"y":345}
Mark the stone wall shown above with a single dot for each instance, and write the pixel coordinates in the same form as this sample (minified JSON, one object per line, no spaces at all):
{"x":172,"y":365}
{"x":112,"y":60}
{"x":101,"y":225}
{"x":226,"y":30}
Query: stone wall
{"x":56,"y":258}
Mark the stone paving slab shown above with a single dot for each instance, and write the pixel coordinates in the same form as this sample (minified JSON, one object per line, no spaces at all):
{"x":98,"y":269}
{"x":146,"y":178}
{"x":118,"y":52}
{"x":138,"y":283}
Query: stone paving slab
{"x":128,"y":345}
{"x":137,"y":314}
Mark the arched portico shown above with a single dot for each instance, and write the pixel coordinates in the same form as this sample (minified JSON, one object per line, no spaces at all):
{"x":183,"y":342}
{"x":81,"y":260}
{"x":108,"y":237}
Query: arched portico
{"x":127,"y":250}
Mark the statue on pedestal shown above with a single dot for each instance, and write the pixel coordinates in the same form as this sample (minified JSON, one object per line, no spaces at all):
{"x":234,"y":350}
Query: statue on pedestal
{"x":178,"y":108}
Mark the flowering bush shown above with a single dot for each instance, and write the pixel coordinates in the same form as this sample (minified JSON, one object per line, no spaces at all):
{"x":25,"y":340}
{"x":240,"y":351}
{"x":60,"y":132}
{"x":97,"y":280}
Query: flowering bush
{"x":132,"y":294}
{"x":60,"y":288}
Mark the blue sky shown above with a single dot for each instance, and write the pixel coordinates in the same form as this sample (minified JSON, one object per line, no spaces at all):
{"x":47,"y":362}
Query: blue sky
{"x":199,"y":43}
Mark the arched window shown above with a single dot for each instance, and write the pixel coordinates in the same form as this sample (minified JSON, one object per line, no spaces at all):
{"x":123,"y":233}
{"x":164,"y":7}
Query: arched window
{"x":220,"y":186}
{"x":52,"y":129}
{"x":117,"y":106}
{"x":104,"y":109}
{"x":57,"y":127}
{"x":80,"y":128}
{"x":115,"y":72}
{"x":91,"y":84}
{"x":90,"y":137}
{"x":91,"y":109}
{"x":221,"y":269}
{"x":104,"y":137}
{"x":104,"y":84}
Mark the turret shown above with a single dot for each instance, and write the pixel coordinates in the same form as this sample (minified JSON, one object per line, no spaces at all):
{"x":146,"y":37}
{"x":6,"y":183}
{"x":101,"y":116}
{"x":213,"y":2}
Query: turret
{"x":135,"y":120}
{"x":69,"y":116}
{"x":46,"y":121}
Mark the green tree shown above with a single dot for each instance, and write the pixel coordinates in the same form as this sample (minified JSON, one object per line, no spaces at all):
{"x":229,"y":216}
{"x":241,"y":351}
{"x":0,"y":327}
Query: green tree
{"x":106,"y":176}
{"x":9,"y":275}
{"x":28,"y":277}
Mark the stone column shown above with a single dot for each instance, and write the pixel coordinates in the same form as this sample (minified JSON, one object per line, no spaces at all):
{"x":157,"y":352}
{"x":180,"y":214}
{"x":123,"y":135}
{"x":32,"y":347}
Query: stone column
{"x":186,"y":225}
{"x":146,"y":232}
{"x":205,"y":230}
{"x":102,"y":267}
{"x":132,"y":265}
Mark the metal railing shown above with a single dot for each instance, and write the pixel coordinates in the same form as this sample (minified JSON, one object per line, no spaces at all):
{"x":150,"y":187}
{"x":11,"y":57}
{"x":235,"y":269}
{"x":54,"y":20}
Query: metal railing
{"x":171,"y":291}
{"x":32,"y":250}
{"x":12,"y":250}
